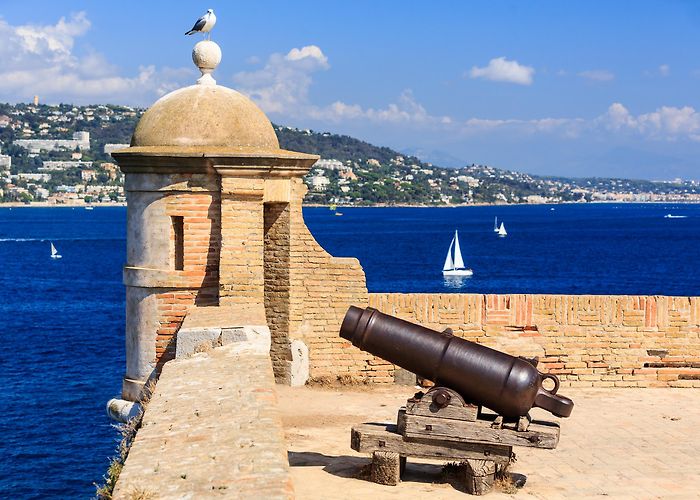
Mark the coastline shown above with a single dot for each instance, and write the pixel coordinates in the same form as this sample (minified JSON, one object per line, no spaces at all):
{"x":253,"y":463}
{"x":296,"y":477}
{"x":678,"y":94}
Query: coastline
{"x":46,"y":204}
{"x":601,"y":202}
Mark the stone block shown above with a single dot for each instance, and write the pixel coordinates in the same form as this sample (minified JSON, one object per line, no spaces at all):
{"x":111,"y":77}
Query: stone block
{"x":404,"y":377}
{"x":300,"y":363}
{"x":191,"y":340}
{"x":235,"y":334}
{"x":254,"y":337}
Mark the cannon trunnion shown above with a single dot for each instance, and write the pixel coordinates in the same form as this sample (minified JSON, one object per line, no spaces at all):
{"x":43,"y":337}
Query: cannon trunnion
{"x":509,"y":385}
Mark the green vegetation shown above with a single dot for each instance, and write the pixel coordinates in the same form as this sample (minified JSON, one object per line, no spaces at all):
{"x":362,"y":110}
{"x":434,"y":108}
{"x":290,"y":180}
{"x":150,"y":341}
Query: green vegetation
{"x":368,"y":175}
{"x":128,"y":433}
{"x":359,"y":173}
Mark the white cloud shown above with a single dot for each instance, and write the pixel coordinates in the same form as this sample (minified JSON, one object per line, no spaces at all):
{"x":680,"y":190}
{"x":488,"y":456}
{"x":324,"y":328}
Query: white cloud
{"x":404,"y":112}
{"x":664,"y":70}
{"x":310,"y":52}
{"x":40,"y":59}
{"x":565,"y":127}
{"x":501,"y":69}
{"x":282,"y":87}
{"x":666,"y":123}
{"x":597,"y":75}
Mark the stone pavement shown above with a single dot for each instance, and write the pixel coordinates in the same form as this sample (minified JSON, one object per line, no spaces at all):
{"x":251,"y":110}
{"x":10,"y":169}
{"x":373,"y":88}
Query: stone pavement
{"x":211,"y":430}
{"x":618,"y":443}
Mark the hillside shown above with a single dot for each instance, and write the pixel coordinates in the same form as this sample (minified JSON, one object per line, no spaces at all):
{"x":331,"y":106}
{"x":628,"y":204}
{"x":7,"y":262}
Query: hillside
{"x":368,"y":174}
{"x":351,"y":172}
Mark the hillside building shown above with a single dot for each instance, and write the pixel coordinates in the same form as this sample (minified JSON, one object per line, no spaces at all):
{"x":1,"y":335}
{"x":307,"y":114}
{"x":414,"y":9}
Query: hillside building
{"x":80,"y":140}
{"x":57,"y":166}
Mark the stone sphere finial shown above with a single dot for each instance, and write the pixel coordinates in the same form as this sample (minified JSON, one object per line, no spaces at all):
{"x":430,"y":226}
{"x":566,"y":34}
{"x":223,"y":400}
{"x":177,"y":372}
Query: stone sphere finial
{"x":206,"y":56}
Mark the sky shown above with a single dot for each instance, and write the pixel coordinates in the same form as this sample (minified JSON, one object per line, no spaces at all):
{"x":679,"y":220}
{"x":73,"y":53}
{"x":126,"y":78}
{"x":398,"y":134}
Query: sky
{"x":575,"y":88}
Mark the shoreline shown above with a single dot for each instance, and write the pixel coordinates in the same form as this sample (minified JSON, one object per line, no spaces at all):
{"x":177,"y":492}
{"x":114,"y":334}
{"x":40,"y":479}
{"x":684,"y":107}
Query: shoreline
{"x":383,"y":205}
{"x":45,"y":204}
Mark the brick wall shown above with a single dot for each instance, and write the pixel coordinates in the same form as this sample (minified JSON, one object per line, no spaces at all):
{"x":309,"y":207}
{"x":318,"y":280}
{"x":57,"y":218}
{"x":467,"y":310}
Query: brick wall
{"x":241,"y":265}
{"x":197,"y":282}
{"x":277,"y":287}
{"x":603,"y":341}
{"x":322,"y":287}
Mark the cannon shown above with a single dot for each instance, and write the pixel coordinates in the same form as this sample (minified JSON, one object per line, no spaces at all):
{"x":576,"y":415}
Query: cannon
{"x":449,"y":421}
{"x":506,"y":384}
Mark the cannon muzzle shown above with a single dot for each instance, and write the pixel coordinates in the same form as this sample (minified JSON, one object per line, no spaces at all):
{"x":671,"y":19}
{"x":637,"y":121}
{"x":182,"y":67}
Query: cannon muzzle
{"x":509,"y":385}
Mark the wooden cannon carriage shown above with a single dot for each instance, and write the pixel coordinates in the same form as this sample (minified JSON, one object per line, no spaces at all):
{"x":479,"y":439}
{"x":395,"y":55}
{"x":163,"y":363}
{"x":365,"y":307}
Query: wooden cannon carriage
{"x":451,"y":420}
{"x":440,"y":425}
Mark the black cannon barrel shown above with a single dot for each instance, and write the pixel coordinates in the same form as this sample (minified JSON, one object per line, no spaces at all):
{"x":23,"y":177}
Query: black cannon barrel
{"x":506,"y":384}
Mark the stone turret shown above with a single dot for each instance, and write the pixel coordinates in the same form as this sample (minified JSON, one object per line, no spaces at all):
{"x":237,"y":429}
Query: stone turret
{"x":214,"y":221}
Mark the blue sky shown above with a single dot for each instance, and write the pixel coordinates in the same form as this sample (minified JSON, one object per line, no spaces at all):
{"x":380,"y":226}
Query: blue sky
{"x":606,"y":88}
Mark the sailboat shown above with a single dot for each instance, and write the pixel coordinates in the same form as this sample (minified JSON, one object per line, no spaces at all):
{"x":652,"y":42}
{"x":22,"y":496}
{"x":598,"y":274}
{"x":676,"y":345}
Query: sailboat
{"x":54,"y":252}
{"x":502,"y":231}
{"x":495,"y":224}
{"x":455,"y":266}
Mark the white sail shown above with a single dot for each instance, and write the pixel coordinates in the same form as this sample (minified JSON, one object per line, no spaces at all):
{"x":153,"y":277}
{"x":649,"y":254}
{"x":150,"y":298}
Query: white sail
{"x":459,"y":263}
{"x":54,"y":252}
{"x":448,"y":260}
{"x":454,"y":268}
{"x":502,"y":230}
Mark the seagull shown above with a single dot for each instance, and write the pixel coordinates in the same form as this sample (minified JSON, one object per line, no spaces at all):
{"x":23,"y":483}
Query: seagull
{"x":204,"y":24}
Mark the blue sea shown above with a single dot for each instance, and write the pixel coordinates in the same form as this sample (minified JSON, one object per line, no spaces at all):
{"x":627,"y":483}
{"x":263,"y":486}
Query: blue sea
{"x":62,"y":330}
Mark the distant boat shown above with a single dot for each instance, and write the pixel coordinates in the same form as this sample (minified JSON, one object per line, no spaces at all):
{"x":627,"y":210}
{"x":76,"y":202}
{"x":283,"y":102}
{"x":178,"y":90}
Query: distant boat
{"x":671,"y":216}
{"x":455,"y":266}
{"x":332,"y":207}
{"x":88,"y":207}
{"x":495,"y":224}
{"x":502,"y":231}
{"x":338,"y":213}
{"x":54,"y":252}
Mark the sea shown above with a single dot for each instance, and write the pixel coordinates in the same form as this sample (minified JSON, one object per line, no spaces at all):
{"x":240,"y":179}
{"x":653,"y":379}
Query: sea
{"x":62,"y":320}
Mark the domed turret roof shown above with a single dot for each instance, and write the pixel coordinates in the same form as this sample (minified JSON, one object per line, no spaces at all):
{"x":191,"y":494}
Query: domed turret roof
{"x":207,"y":116}
{"x":206,"y":126}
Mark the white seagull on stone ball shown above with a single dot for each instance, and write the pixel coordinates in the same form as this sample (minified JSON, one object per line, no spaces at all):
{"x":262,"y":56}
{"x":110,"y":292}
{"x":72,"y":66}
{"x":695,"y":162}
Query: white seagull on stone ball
{"x":204,"y":24}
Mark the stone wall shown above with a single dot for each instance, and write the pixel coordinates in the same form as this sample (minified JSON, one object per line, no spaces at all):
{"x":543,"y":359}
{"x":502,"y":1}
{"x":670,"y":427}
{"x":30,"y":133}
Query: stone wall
{"x":160,"y":288}
{"x":587,"y":340}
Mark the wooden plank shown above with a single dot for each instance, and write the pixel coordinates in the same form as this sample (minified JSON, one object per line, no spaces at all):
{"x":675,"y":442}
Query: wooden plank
{"x":467,"y":413}
{"x":539,"y":434}
{"x":455,"y":409}
{"x":368,"y":438}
